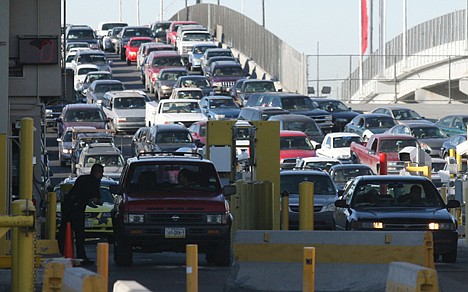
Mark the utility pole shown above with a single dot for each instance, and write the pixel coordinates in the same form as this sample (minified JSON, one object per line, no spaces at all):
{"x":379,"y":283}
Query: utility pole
{"x":263,"y":13}
{"x":161,"y":10}
{"x":318,"y":68}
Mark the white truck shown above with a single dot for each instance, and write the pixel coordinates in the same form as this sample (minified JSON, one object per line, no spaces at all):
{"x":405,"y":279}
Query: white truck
{"x":174,"y":111}
{"x":336,"y":145}
{"x":188,"y":38}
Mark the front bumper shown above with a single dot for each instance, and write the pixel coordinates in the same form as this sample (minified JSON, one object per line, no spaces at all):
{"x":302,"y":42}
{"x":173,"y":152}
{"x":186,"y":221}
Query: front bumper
{"x":322,"y":220}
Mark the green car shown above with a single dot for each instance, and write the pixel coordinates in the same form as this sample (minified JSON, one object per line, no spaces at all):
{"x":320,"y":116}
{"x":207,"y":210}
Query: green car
{"x":98,"y":222}
{"x":453,"y":124}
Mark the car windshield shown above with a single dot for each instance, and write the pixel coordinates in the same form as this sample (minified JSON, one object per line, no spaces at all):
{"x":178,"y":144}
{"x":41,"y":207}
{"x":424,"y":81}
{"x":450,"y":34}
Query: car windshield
{"x":168,"y":62}
{"x":190,"y":94}
{"x":116,"y":30}
{"x":109,"y":26}
{"x":94,"y":59}
{"x":341,"y":142}
{"x":195,"y":37}
{"x":259,"y":87}
{"x":297,"y":103}
{"x":223,"y":103}
{"x":137,"y":32}
{"x":67,"y":137}
{"x":345,"y":174}
{"x":380,"y":122}
{"x":201,"y":49}
{"x":406,"y":114}
{"x":228,"y":71}
{"x":308,"y":127}
{"x":295,"y":143}
{"x":218,"y":53}
{"x":163,"y":178}
{"x":84,"y":116}
{"x":105,"y":160}
{"x":322,"y":165}
{"x":396,"y":194}
{"x":129,"y":103}
{"x":173,"y":76}
{"x":137,"y":43}
{"x":77,"y":34}
{"x":109,"y":87}
{"x":427,"y":133}
{"x":332,"y":106}
{"x":84,"y":71}
{"x":395,"y":145}
{"x":93,"y":77}
{"x":181,"y":107}
{"x":173,"y":137}
{"x":323,"y":185}
{"x":198,"y":82}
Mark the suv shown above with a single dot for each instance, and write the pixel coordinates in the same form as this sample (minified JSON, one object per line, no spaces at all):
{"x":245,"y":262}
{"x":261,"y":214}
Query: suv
{"x":223,"y":75}
{"x":155,"y":213}
{"x":82,"y":34}
{"x":243,"y":88}
{"x":126,"y":109}
{"x":81,"y":115}
{"x":258,"y":113}
{"x":300,"y":123}
{"x":126,"y":34}
{"x":106,"y":154}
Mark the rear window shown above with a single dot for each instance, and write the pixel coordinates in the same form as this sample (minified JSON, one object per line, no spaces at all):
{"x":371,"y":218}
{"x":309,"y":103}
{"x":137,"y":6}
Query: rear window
{"x":175,"y":61}
{"x":137,"y":32}
{"x":83,"y":115}
{"x":323,"y":184}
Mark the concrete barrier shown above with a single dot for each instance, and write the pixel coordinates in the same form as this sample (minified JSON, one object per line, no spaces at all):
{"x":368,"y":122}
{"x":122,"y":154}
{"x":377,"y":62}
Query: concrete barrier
{"x":129,"y":286}
{"x":82,"y":280}
{"x":53,"y":274}
{"x":345,"y":260}
{"x":410,"y":277}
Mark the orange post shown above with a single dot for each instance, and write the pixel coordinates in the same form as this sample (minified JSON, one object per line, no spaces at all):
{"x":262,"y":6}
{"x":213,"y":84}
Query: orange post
{"x":383,"y":164}
{"x":68,"y":248}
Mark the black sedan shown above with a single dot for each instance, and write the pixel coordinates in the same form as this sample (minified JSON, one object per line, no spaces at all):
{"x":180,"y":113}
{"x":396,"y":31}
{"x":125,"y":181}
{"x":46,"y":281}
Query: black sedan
{"x":381,"y":203}
{"x":341,"y":114}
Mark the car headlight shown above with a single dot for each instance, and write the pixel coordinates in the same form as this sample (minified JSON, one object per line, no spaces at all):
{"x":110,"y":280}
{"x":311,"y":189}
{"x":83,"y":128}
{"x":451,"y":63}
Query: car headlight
{"x":135,"y":218}
{"x":196,"y":62}
{"x":329,"y":207}
{"x":426,"y":147}
{"x":165,"y":87}
{"x":214,"y":219}
{"x":218,"y":84}
{"x":66,"y":151}
{"x":219,"y":117}
{"x":441,"y":226}
{"x":367,"y":225}
{"x":120,"y":120}
{"x":133,"y":54}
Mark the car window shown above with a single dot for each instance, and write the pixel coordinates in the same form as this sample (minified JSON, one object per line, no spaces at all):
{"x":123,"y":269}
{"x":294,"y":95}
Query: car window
{"x":323,"y":184}
{"x":129,"y":103}
{"x":295,"y":143}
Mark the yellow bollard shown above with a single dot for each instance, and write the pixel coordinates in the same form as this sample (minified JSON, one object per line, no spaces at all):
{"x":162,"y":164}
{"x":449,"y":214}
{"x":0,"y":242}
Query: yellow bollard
{"x":51,"y":215}
{"x":428,"y":259}
{"x":22,"y":269}
{"x":103,"y":262}
{"x":192,"y":267}
{"x":306,"y":206}
{"x":308,"y":277}
{"x":443,"y":193}
{"x":459,"y":162}
{"x":451,"y":152}
{"x":285,"y":210}
{"x":26,"y":158}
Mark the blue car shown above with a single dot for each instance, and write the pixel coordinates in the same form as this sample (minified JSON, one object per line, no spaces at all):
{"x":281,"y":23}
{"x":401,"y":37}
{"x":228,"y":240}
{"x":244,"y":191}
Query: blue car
{"x":219,"y":107}
{"x":197,"y":52}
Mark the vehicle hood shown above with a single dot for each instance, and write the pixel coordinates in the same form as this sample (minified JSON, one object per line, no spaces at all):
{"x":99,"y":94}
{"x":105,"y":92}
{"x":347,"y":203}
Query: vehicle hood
{"x":97,"y":125}
{"x":377,"y":130}
{"x":335,"y":152}
{"x":348,"y":115}
{"x":400,"y":213}
{"x":319,"y":200}
{"x":169,"y":83}
{"x":227,"y":112}
{"x":130,"y":113}
{"x":434,"y":143}
{"x":296,"y":153}
{"x":98,"y":95}
{"x":109,"y":171}
{"x":182,"y":201}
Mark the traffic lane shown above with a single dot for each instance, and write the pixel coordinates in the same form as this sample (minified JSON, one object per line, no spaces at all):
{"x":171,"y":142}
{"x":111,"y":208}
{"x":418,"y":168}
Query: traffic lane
{"x":162,"y":271}
{"x":454,"y":276}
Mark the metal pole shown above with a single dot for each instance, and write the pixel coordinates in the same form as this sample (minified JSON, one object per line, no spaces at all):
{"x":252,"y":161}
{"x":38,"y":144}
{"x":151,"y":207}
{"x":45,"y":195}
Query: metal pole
{"x":405,"y":28}
{"x":350,"y":81}
{"x":318,"y":68}
{"x":138,"y":11}
{"x":120,"y":10}
{"x":161,"y":10}
{"x":308,"y":282}
{"x":371,"y":26}
{"x":26,"y":158}
{"x":449,"y":80}
{"x":64,"y":68}
{"x":306,"y":205}
{"x":395,"y":98}
{"x":51,"y":215}
{"x":103,"y":262}
{"x":466,"y":33}
{"x":263,"y":13}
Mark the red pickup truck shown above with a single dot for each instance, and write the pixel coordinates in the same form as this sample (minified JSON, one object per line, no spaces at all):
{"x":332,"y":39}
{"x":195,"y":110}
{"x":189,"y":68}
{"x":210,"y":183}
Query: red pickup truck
{"x":369,"y":153}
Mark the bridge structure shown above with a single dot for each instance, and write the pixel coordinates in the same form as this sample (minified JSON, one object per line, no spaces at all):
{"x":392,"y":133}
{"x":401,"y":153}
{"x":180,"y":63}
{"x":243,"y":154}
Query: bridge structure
{"x":427,"y":64}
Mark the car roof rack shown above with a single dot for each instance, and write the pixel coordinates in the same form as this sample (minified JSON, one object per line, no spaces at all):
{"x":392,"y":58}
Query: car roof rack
{"x":159,"y":153}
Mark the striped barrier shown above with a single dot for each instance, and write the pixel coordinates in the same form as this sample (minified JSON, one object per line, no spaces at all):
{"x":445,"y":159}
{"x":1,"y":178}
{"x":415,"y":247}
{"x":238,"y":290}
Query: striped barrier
{"x":410,"y":277}
{"x":82,"y":280}
{"x":129,"y":286}
{"x":345,"y":260}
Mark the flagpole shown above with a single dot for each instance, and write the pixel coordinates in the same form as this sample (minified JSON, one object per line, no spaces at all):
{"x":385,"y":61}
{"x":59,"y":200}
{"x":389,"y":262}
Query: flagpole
{"x":360,"y":46}
{"x":405,"y":28}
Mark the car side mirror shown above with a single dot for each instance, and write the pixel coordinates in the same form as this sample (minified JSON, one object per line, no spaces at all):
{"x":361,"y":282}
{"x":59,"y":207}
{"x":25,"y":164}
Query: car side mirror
{"x":453,"y":204}
{"x":58,"y":120}
{"x":229,"y":190}
{"x":280,"y":89}
{"x":341,"y":204}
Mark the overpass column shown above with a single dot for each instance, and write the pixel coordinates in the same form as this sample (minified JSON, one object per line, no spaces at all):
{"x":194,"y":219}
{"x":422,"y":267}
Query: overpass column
{"x":4,"y":110}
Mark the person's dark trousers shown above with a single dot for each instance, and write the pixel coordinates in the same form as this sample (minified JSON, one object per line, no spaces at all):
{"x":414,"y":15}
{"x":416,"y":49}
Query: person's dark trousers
{"x":66,"y":216}
{"x":78,"y":226}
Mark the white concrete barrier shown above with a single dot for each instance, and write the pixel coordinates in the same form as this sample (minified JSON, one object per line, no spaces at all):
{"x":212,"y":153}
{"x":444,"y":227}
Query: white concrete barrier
{"x":82,"y":280}
{"x":410,"y":277}
{"x":345,"y":260}
{"x":129,"y":286}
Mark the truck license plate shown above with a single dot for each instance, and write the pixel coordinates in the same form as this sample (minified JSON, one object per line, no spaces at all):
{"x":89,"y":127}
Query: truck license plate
{"x":175,"y":232}
{"x":88,"y":223}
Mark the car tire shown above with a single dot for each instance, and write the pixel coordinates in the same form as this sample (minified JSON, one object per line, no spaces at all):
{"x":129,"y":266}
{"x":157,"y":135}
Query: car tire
{"x":123,"y":253}
{"x":221,"y":254}
{"x":129,"y":62}
{"x":450,"y":257}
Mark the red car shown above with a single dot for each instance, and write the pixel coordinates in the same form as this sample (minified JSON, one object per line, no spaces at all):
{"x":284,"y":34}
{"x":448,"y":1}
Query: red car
{"x":293,"y":146}
{"x":131,"y":48}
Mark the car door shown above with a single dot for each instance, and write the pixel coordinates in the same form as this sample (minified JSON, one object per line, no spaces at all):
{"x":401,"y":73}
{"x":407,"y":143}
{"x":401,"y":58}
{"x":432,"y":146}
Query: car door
{"x":458,"y":126}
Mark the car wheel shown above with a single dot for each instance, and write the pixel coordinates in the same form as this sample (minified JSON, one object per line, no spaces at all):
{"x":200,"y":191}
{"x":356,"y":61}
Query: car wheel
{"x":221,"y":254}
{"x":123,"y":253}
{"x":450,"y":257}
{"x":129,"y":62}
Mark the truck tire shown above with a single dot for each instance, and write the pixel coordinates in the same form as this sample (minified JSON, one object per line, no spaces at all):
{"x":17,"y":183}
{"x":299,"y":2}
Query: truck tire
{"x":123,"y":253}
{"x":220,"y":255}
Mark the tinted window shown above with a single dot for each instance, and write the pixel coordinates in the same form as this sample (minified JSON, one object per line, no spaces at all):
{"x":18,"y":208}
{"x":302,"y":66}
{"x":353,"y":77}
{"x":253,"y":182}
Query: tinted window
{"x":295,"y":143}
{"x":323,"y":185}
{"x":84,"y":116}
{"x":129,"y":103}
{"x":297,"y":103}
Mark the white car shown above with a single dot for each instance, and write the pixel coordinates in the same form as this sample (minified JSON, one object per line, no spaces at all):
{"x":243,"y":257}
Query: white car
{"x":174,"y":111}
{"x":321,"y":163}
{"x":336,"y":145}
{"x":80,"y":74}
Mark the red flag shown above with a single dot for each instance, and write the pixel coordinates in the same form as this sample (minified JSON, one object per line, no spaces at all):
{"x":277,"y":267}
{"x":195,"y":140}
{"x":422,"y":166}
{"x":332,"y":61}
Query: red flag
{"x":364,"y":27}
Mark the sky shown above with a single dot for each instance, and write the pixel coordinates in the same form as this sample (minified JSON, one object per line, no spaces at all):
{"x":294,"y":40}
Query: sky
{"x":331,"y":26}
